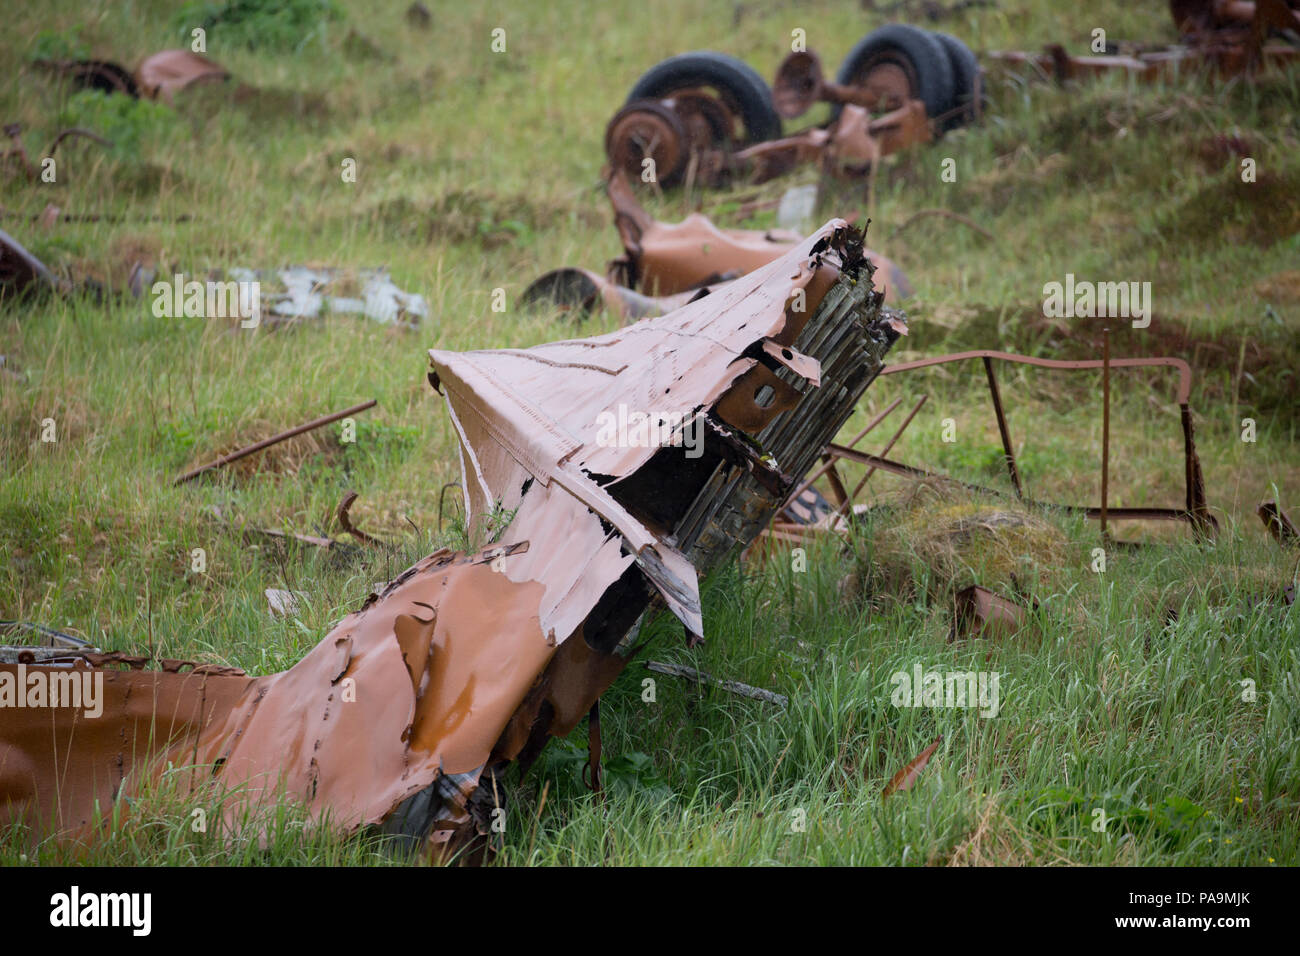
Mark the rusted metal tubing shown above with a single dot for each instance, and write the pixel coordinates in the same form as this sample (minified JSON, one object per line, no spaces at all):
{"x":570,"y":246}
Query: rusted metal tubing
{"x":1105,"y":424}
{"x":1007,"y":449}
{"x":1279,"y":524}
{"x":274,"y":440}
{"x":911,"y":471}
{"x":1184,"y":370}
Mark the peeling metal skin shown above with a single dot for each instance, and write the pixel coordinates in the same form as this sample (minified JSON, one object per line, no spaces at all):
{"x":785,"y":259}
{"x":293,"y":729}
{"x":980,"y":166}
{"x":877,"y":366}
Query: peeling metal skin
{"x":403,"y":716}
{"x":166,"y":72}
{"x":668,"y":258}
{"x":19,"y":269}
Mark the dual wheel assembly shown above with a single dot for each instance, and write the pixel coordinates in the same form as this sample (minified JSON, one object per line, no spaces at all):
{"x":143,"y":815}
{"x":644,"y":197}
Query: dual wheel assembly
{"x":703,"y":106}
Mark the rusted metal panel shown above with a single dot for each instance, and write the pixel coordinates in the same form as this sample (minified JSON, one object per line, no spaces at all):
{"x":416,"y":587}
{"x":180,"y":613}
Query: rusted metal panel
{"x":167,"y":72}
{"x":672,"y":258}
{"x":20,"y":271}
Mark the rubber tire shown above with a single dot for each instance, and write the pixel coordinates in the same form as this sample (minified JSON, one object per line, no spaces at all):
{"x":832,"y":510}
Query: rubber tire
{"x":752,"y":95}
{"x":927,"y":55}
{"x":965,"y":74}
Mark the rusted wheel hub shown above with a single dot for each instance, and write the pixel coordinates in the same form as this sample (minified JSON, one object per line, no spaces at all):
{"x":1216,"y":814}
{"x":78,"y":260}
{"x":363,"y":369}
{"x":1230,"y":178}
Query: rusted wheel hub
{"x":647,"y":129}
{"x":889,"y":83}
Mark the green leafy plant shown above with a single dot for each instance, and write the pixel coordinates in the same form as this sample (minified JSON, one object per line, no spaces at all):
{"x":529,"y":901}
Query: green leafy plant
{"x":259,"y":24}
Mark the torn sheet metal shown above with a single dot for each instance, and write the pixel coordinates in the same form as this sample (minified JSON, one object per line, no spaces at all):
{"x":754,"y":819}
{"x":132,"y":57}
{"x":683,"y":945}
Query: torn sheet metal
{"x":20,"y":271}
{"x":402,"y":716}
{"x":159,"y":76}
{"x":669,"y":258}
{"x":581,"y":291}
{"x":979,"y":612}
{"x":167,"y":72}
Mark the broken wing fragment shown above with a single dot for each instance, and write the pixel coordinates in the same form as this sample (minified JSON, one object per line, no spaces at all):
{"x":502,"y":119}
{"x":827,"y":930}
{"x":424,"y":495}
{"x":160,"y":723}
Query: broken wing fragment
{"x":464,"y":663}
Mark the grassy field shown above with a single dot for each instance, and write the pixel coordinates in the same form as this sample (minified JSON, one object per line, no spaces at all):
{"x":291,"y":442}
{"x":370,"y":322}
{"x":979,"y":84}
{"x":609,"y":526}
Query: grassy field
{"x":479,"y":170}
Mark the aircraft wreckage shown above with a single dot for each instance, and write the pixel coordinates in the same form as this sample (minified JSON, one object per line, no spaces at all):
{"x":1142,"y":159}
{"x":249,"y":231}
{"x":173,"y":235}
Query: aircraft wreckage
{"x":403,"y":717}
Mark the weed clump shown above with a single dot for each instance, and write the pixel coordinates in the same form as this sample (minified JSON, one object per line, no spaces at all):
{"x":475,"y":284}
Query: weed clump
{"x":938,"y":540}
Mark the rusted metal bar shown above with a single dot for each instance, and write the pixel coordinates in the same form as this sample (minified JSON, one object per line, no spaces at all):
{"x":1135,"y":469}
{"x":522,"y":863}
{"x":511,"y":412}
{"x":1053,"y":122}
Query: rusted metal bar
{"x":274,"y":440}
{"x":1184,"y":370}
{"x":833,"y":479}
{"x":1002,"y":427}
{"x":1197,"y":509}
{"x":345,"y":521}
{"x":1105,"y":424}
{"x":911,"y":471}
{"x":1279,"y":524}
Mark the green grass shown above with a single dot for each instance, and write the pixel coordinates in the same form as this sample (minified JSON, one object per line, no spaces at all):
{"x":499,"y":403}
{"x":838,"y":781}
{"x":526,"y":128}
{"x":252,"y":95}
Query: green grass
{"x":478,"y":171}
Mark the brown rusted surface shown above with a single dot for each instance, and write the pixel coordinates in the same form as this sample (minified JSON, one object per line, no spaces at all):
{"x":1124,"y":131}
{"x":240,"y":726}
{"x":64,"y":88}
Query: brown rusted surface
{"x":1279,"y":524}
{"x":167,"y":72}
{"x":800,"y":83}
{"x":670,"y":258}
{"x":403,"y":716}
{"x":978,"y":612}
{"x":345,"y":521}
{"x":1227,"y":36}
{"x":689,"y":135}
{"x":848,"y":147}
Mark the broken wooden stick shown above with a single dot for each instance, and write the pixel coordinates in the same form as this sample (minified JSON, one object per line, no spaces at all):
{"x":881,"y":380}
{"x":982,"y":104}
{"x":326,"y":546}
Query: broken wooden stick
{"x":274,"y":440}
{"x":731,"y":686}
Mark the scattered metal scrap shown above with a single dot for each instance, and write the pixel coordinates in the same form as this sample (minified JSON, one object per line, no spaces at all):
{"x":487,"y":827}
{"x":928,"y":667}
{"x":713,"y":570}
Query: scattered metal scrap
{"x":19,"y":152}
{"x":1195,"y":511}
{"x":308,"y":292}
{"x":1227,"y":36}
{"x":316,"y":541}
{"x":708,"y":118}
{"x":582,"y":291}
{"x":670,"y":258}
{"x":674,"y":264}
{"x":403,"y":717}
{"x":345,"y":521}
{"x":160,"y":76}
{"x":273,"y":440}
{"x":979,"y":612}
{"x":20,"y":271}
{"x":51,"y":647}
